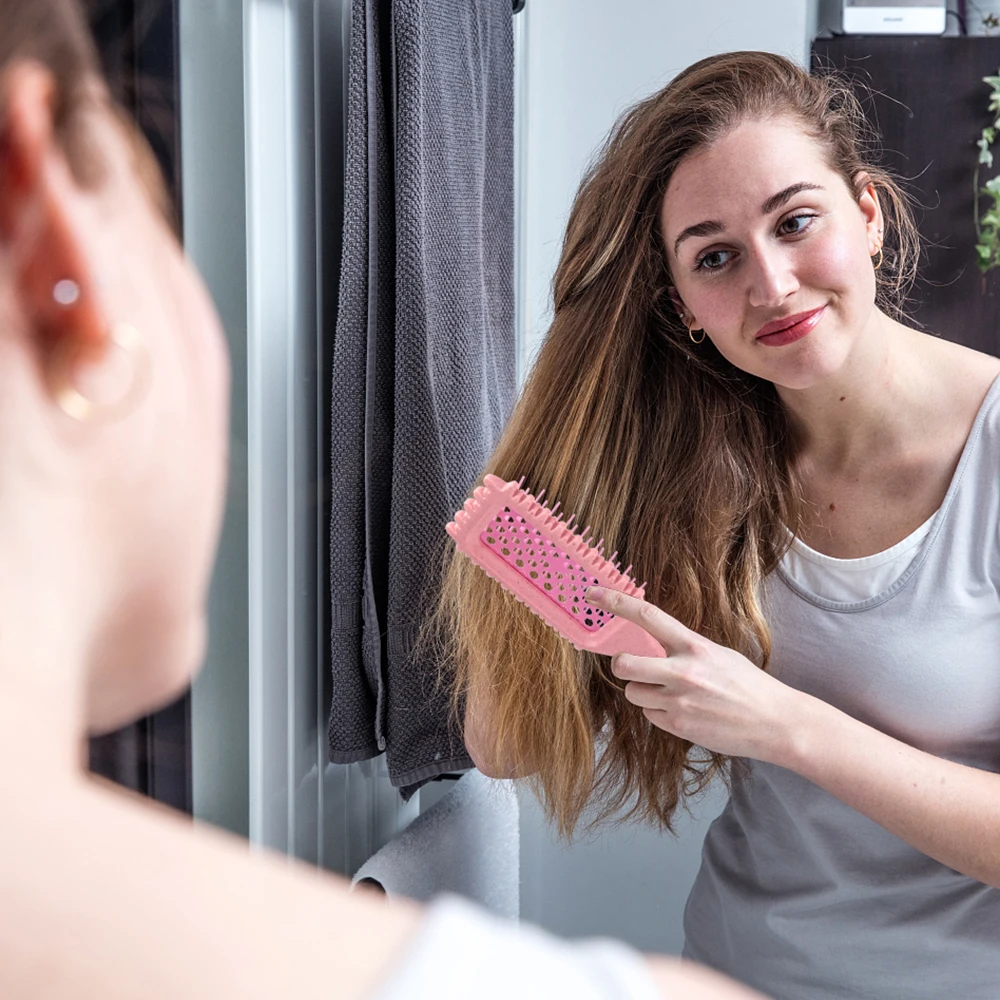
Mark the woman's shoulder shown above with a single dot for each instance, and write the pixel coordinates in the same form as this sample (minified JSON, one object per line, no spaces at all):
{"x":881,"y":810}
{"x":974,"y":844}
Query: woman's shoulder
{"x":970,"y":414}
{"x":965,"y":371}
{"x":124,"y":906}
{"x":960,"y":385}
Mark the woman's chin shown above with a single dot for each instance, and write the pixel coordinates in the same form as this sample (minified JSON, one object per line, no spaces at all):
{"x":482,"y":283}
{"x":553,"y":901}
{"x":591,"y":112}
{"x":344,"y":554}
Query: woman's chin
{"x":808,"y":369}
{"x":134,"y":693}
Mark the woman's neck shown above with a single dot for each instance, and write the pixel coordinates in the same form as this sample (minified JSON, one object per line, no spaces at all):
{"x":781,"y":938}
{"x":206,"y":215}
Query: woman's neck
{"x":44,"y":647}
{"x":42,"y":738}
{"x":875,"y":405}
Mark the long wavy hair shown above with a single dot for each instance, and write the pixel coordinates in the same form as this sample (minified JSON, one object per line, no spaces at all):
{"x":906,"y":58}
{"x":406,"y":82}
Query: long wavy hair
{"x":680,"y":460}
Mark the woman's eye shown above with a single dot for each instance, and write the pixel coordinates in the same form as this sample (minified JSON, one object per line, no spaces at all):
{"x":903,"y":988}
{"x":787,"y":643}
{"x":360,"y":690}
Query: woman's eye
{"x":714,"y":260}
{"x":795,"y":224}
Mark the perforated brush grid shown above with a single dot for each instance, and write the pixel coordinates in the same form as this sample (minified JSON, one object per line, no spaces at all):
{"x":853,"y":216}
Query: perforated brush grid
{"x":545,"y":565}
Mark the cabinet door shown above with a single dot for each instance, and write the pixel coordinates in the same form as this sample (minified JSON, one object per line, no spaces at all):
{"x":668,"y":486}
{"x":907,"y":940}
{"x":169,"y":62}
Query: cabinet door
{"x":928,"y":102}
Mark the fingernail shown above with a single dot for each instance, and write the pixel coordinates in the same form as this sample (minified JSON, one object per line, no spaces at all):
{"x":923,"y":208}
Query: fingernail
{"x":594,"y":593}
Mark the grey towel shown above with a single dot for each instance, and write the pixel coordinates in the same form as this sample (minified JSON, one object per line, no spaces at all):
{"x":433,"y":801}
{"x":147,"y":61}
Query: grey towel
{"x":361,"y":405}
{"x":424,"y":363}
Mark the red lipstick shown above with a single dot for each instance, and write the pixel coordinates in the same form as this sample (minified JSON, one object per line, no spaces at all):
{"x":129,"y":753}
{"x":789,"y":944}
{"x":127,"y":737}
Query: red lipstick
{"x":779,"y":332}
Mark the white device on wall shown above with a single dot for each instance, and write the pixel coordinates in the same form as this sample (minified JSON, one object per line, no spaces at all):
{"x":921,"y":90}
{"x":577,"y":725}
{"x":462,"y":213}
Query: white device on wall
{"x":895,"y":17}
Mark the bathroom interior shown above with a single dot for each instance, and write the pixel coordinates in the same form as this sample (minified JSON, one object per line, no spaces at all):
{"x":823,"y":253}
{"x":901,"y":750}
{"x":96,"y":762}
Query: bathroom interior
{"x":247,"y":104}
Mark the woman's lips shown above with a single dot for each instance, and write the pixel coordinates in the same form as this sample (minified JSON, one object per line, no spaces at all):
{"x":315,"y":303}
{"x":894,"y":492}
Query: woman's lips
{"x":798,"y":327}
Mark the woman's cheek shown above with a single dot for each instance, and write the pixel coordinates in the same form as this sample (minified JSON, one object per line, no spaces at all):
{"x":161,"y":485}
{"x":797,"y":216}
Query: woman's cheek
{"x":723,"y":319}
{"x":837,"y":264}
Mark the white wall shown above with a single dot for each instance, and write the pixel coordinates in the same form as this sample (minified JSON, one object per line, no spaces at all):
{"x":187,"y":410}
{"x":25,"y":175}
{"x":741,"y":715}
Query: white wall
{"x":583,"y":62}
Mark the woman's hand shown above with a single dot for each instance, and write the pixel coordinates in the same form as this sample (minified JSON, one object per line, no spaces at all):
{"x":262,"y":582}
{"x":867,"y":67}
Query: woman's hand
{"x":701,"y":691}
{"x":719,"y":700}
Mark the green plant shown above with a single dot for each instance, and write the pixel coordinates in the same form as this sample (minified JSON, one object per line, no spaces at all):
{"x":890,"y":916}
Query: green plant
{"x":988,"y":224}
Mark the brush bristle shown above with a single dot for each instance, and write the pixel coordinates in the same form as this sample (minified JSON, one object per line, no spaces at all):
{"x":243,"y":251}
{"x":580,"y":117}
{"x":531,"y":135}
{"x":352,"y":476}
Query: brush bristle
{"x":496,"y":495}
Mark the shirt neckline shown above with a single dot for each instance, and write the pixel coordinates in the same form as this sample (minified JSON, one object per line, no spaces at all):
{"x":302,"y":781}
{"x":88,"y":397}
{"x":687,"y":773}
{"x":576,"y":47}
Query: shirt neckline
{"x":859,"y":563}
{"x":939,"y":519}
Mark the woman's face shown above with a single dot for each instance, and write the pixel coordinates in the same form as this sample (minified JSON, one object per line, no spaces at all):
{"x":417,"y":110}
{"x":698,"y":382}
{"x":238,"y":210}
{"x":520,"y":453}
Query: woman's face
{"x":760,"y":231}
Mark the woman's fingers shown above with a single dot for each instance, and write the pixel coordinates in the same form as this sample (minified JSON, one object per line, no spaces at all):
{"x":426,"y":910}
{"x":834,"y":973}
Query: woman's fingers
{"x":669,"y":632}
{"x":645,"y":695}
{"x":649,"y":669}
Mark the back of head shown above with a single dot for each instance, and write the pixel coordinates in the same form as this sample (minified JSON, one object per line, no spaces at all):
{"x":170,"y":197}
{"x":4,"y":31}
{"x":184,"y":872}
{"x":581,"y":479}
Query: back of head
{"x":55,"y":34}
{"x":114,"y":380}
{"x":681,"y":461}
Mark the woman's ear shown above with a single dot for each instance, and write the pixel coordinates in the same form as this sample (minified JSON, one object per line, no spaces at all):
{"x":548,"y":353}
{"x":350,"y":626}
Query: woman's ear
{"x":871,"y":210}
{"x":682,"y":311}
{"x":43,"y":219}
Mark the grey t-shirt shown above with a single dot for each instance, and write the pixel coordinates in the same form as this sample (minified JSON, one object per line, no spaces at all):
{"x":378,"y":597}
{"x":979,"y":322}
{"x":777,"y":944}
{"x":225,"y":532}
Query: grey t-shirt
{"x":798,"y":894}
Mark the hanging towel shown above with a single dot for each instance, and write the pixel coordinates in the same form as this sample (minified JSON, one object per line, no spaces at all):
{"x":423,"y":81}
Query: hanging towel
{"x":466,"y":843}
{"x":432,"y":357}
{"x":361,"y":403}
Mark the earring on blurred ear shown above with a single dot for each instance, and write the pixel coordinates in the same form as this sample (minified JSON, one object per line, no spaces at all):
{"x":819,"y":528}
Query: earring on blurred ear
{"x":879,"y":264}
{"x":123,"y":336}
{"x":691,"y":335}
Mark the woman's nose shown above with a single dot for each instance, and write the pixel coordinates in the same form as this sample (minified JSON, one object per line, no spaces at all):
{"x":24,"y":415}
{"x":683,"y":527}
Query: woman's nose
{"x":772,"y":279}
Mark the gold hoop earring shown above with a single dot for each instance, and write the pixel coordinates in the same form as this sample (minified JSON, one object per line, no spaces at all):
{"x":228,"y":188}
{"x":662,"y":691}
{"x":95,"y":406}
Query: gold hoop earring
{"x":76,"y":406}
{"x":691,"y":335}
{"x":879,"y":264}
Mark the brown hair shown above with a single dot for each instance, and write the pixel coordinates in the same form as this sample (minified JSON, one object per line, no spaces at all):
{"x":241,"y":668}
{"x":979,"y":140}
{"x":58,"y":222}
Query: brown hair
{"x":679,"y":460}
{"x":55,"y":33}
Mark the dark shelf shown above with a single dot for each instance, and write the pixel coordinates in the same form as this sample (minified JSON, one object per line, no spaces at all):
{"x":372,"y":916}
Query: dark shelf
{"x":929,"y":104}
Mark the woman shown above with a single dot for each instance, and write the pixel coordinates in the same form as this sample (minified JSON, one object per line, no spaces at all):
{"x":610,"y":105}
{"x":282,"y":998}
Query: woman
{"x":113,"y":434}
{"x":729,"y":395}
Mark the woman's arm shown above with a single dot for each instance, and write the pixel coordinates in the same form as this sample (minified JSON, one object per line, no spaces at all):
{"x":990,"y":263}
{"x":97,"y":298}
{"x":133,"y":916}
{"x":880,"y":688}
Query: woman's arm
{"x":949,"y":811}
{"x":718,"y":699}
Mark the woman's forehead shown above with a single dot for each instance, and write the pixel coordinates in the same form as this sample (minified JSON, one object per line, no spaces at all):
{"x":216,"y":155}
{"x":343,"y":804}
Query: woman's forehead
{"x":741,"y":171}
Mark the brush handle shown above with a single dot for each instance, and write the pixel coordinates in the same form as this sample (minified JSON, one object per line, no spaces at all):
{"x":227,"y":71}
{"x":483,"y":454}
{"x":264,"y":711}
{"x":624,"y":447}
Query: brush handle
{"x":630,"y":638}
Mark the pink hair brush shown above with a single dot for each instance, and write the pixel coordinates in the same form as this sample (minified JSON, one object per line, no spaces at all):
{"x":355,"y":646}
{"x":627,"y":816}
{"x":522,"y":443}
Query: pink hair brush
{"x":535,"y":556}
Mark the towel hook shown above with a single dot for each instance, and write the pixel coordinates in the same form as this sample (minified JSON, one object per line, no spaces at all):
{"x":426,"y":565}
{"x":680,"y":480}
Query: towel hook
{"x":518,"y":6}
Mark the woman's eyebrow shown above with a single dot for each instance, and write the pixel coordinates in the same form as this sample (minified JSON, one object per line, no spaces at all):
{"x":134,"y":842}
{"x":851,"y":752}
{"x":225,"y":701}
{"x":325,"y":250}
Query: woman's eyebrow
{"x":698,"y":229}
{"x":711,"y":227}
{"x":779,"y":199}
